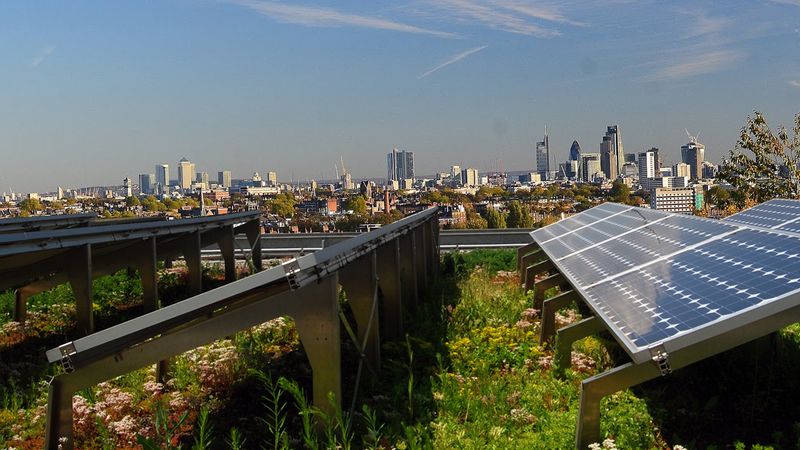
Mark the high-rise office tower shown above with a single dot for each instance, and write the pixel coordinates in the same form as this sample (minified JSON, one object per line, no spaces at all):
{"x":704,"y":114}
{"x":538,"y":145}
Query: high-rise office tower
{"x":224,"y":179}
{"x":399,"y":166}
{"x":682,"y":170}
{"x":203,"y":178}
{"x":147,"y":182}
{"x":272,"y":179}
{"x":648,"y":167}
{"x":608,"y":158}
{"x":186,"y":173}
{"x":615,"y":136}
{"x":575,"y":151}
{"x":590,"y":169}
{"x":126,"y":184}
{"x":543,"y":156}
{"x":469,"y":177}
{"x":455,"y":175}
{"x":694,"y":154}
{"x":162,"y":177}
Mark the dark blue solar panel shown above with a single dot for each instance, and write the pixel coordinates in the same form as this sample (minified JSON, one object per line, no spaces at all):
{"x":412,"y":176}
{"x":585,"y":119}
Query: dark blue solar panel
{"x":699,"y":286}
{"x":769,"y":214}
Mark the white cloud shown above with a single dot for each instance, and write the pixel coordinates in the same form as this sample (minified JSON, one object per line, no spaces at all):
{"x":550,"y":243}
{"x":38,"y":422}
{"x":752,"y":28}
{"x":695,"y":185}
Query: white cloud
{"x":314,"y":16}
{"x":453,"y":59}
{"x":698,"y":64}
{"x":43,"y":54}
{"x":497,"y":15}
{"x":795,"y":83}
{"x":537,"y":11}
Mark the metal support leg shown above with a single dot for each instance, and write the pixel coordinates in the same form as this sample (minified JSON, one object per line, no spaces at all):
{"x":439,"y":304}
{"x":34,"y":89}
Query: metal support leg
{"x":595,"y":388}
{"x":549,"y":309}
{"x":535,"y":269}
{"x":314,"y":308}
{"x":521,"y":252}
{"x":148,"y":275}
{"x":20,"y":305}
{"x":318,"y":327}
{"x":389,"y":276}
{"x":80,"y":278}
{"x":59,"y":414}
{"x":543,"y":285}
{"x":227,"y":246}
{"x":360,"y":281}
{"x":408,"y":273}
{"x":568,"y":336}
{"x":528,"y":260}
{"x":253,"y":231}
{"x":191,"y":253}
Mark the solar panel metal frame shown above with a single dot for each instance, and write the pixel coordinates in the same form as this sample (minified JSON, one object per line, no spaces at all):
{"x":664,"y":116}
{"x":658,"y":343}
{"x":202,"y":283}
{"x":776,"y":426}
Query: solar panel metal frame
{"x":695,"y":336}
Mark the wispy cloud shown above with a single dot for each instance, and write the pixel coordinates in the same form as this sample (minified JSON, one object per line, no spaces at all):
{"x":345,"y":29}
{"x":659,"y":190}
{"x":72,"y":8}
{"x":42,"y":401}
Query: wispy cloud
{"x":42,"y":55}
{"x":504,"y":15}
{"x":698,"y":64}
{"x":787,"y":2}
{"x":795,"y":83}
{"x":452,"y":60}
{"x":314,"y":16}
{"x":705,"y":48}
{"x":537,"y":11}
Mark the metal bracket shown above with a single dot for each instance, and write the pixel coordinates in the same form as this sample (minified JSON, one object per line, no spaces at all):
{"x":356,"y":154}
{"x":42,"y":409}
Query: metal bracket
{"x":67,"y":350}
{"x":292,"y":268}
{"x":660,"y":357}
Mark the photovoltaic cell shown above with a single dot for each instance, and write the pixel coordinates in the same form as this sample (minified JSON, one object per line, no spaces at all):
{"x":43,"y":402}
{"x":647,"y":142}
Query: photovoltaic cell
{"x":700,"y":286}
{"x":770,"y":214}
{"x":654,"y":277}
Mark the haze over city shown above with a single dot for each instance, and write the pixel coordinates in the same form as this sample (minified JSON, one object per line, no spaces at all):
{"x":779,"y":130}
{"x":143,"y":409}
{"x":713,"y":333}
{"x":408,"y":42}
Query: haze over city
{"x":96,"y":91}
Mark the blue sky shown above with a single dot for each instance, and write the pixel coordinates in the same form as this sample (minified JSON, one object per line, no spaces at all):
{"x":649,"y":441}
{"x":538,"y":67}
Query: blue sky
{"x":93,"y":91}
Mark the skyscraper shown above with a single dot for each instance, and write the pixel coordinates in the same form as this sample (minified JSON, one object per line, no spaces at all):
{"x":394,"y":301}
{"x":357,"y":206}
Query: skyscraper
{"x":162,"y":177}
{"x":608,"y":158}
{"x":399,"y":166}
{"x":543,"y":156}
{"x":224,"y":178}
{"x":615,"y":136}
{"x":272,"y":179}
{"x":146,"y":183}
{"x":694,"y":154}
{"x":575,"y":151}
{"x":186,"y":174}
{"x":590,"y":169}
{"x":648,"y":167}
{"x":469,"y":177}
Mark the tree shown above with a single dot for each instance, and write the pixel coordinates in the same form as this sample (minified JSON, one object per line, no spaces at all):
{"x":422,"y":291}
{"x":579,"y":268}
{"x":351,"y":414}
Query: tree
{"x":620,"y":192}
{"x":763,"y":165}
{"x":519,"y":216}
{"x":282,"y":205}
{"x":357,"y":204}
{"x":495,"y":219}
{"x":718,"y":196}
{"x":152,"y":204}
{"x":30,"y":205}
{"x":132,"y":201}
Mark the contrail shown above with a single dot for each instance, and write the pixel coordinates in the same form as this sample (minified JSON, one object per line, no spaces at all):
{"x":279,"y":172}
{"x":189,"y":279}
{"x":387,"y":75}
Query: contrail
{"x":452,"y":60}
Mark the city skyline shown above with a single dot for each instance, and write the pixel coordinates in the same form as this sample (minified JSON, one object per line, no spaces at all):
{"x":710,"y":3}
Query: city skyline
{"x":294,"y":86}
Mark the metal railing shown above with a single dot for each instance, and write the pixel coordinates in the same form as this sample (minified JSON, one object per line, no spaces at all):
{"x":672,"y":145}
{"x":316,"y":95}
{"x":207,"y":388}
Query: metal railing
{"x":393,"y":264}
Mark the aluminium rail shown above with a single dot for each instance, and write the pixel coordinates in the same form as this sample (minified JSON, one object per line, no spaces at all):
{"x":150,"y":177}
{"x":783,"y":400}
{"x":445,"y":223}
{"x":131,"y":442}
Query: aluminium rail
{"x":37,"y":223}
{"x":32,"y":262}
{"x":393,"y":263}
{"x":299,"y":244}
{"x":538,"y":272}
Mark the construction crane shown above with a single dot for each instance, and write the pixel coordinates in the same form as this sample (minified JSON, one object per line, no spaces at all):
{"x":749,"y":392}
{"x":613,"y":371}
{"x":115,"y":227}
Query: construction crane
{"x":692,"y":139}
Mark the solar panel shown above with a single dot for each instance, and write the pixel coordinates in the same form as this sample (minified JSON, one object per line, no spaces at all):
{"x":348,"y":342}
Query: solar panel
{"x":777,"y":213}
{"x":658,"y":278}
